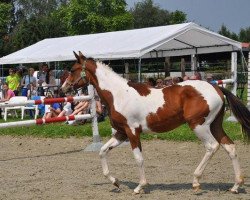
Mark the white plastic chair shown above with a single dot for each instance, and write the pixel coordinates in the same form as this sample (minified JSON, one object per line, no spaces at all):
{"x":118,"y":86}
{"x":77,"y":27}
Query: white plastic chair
{"x":32,"y":107}
{"x":16,"y":99}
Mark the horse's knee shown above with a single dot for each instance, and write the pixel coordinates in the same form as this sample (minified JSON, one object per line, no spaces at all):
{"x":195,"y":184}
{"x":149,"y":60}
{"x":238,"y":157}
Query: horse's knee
{"x":230,"y":148}
{"x":212,"y":148}
{"x":103,"y":152}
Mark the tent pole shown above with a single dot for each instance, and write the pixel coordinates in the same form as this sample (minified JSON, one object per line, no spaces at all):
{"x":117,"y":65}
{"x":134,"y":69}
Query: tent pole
{"x":193,"y":63}
{"x":234,"y":77}
{"x":139,"y":70}
{"x":234,"y":71}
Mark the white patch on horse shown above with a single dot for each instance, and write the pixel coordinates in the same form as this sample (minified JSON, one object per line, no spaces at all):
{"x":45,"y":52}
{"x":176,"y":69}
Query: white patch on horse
{"x":129,"y":103}
{"x":209,"y":93}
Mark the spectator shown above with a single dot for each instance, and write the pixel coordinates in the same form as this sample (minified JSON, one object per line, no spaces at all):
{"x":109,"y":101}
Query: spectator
{"x":13,"y":81}
{"x":209,"y":78}
{"x":185,"y":78}
{"x":193,"y":77}
{"x":7,"y":94}
{"x":168,"y":81}
{"x":53,"y":110}
{"x":151,"y":82}
{"x":43,"y":78}
{"x":177,"y":80}
{"x":198,"y":75}
{"x":159,"y":83}
{"x":27,"y":81}
{"x":50,"y":81}
{"x":67,"y":110}
{"x":81,"y":108}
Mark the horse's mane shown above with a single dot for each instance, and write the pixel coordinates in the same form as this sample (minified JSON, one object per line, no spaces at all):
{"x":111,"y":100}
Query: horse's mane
{"x":106,"y":68}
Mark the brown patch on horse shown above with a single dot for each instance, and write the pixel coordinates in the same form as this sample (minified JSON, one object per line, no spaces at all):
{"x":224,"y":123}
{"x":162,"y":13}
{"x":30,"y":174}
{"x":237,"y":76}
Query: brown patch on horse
{"x":119,"y":122}
{"x":217,"y":129}
{"x":170,"y":115}
{"x":182,"y":104}
{"x":142,"y":89}
{"x":195,"y":108}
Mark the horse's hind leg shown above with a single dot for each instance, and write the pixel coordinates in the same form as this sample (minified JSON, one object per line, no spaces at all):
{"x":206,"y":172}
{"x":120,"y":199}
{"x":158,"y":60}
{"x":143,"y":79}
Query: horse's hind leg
{"x":239,"y":180}
{"x":115,"y":141}
{"x":229,"y":146}
{"x":204,"y":134}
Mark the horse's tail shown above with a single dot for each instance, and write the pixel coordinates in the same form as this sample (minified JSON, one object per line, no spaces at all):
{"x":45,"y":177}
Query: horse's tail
{"x":240,"y":111}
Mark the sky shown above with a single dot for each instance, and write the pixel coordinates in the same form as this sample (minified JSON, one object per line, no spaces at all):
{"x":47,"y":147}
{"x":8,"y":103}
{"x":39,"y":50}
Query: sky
{"x":211,"y":14}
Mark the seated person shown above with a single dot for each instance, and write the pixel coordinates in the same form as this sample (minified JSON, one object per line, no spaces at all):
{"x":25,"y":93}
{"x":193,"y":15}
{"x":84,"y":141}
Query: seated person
{"x":67,"y":110}
{"x":7,"y":94}
{"x":159,"y":83}
{"x":81,"y":108}
{"x":53,"y":110}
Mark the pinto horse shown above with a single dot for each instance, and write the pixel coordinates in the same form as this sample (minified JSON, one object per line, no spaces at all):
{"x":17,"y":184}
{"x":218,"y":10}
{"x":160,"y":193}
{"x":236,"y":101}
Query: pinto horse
{"x":134,"y":108}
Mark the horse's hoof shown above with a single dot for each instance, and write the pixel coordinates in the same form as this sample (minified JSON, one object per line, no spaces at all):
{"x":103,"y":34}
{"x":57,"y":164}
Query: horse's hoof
{"x":234,"y":191}
{"x":196,"y":188}
{"x":143,"y":189}
{"x":136,"y":192}
{"x":116,"y":183}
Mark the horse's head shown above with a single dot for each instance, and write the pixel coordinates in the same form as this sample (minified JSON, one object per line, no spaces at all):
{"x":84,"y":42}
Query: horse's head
{"x":76,"y":78}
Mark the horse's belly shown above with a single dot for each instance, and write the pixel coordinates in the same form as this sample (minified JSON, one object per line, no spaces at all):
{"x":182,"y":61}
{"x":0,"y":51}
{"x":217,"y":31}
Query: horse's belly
{"x":162,"y":124}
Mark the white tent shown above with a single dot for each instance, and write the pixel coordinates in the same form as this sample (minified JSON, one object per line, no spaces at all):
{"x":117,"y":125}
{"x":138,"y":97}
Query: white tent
{"x":172,"y":40}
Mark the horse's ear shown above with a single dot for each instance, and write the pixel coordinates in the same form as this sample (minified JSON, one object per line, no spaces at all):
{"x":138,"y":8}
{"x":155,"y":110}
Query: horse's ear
{"x":81,"y":55}
{"x":75,"y":55}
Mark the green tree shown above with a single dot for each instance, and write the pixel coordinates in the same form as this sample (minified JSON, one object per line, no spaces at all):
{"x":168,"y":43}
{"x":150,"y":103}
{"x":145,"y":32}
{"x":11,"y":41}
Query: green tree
{"x":35,"y":20}
{"x":147,"y":14}
{"x":177,"y":17}
{"x":94,"y":16}
{"x":227,"y":33}
{"x":244,"y":35}
{"x":5,"y":20}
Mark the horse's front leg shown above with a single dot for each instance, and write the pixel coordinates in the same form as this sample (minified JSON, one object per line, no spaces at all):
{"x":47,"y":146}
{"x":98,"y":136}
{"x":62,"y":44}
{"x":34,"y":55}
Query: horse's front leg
{"x":115,"y":141}
{"x":139,"y":159}
{"x":135,"y":142}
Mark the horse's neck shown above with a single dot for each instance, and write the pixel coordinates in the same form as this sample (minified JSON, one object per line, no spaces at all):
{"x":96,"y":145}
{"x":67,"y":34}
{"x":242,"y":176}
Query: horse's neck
{"x":109,"y":81}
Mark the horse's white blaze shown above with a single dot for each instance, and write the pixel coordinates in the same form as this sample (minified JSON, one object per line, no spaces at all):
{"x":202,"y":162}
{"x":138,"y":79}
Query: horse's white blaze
{"x":130,"y":103}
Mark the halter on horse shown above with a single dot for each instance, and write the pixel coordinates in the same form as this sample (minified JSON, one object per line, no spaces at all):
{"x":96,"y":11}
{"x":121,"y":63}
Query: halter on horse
{"x":74,"y":81}
{"x":135,"y":108}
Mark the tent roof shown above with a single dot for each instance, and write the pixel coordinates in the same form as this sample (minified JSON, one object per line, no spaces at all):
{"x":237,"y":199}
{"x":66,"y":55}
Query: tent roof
{"x":172,"y":40}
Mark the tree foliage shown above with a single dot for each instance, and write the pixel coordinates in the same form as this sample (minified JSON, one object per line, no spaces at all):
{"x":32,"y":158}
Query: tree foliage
{"x":95,"y":16}
{"x":5,"y":19}
{"x":244,"y":35}
{"x":147,"y":14}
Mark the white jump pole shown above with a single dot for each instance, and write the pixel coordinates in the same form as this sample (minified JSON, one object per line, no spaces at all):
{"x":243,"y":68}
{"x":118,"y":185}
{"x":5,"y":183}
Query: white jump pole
{"x":46,"y":101}
{"x":220,"y":82}
{"x":96,"y":144}
{"x":41,"y":121}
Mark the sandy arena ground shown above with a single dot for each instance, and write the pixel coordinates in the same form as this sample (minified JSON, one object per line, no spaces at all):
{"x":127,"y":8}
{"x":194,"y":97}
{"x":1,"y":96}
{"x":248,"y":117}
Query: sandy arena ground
{"x":58,"y":169}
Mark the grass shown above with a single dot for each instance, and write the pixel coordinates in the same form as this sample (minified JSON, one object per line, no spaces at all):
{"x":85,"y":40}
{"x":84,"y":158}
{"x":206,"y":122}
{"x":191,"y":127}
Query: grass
{"x":61,"y":130}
